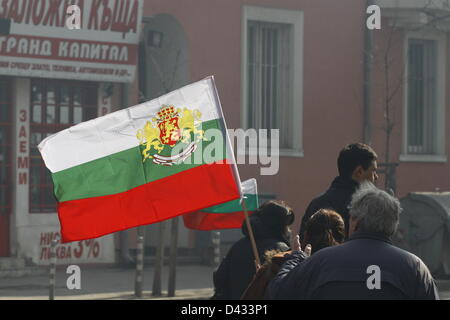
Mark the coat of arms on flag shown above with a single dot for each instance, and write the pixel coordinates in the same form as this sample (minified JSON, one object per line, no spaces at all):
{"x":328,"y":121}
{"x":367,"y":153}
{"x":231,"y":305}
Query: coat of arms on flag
{"x":168,"y":128}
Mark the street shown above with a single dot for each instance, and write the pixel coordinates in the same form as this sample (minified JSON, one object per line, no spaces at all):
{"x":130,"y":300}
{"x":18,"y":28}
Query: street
{"x":101,"y":283}
{"x":114,"y":283}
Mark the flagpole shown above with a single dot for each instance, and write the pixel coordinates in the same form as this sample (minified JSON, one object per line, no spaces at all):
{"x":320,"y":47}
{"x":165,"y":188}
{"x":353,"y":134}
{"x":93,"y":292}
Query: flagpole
{"x":251,"y":235}
{"x":224,"y":129}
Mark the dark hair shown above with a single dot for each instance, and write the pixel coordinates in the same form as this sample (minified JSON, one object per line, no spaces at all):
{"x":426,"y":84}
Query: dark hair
{"x":276,"y":214}
{"x":325,"y":228}
{"x":354,"y":155}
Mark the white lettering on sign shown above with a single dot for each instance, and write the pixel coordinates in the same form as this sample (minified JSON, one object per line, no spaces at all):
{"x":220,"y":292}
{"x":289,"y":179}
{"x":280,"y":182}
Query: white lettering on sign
{"x":100,"y":36}
{"x":22,"y":140}
{"x":92,"y":51}
{"x":73,"y":49}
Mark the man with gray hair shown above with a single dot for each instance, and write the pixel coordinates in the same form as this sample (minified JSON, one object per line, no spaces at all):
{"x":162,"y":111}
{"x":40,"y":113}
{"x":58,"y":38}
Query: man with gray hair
{"x":366,"y":266}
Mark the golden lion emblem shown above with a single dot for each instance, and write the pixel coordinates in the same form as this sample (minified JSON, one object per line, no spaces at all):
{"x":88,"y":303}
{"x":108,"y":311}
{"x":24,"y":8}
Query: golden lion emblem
{"x":169,"y":127}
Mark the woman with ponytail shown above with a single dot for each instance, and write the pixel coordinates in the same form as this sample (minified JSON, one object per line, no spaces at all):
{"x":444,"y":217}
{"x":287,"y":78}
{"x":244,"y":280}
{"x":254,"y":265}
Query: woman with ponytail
{"x":325,"y":228}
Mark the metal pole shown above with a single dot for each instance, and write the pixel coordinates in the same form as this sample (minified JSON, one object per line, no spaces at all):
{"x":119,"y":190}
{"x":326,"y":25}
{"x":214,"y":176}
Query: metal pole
{"x":156,"y":291}
{"x":52,"y":275}
{"x":367,"y":84}
{"x":173,"y":258}
{"x":216,"y":246}
{"x":139,"y":263}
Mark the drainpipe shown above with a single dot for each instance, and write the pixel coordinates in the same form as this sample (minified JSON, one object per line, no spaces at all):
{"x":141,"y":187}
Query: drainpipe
{"x":367,"y":85}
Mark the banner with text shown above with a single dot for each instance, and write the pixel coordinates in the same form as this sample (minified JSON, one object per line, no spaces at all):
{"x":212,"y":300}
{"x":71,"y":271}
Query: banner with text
{"x":36,"y":42}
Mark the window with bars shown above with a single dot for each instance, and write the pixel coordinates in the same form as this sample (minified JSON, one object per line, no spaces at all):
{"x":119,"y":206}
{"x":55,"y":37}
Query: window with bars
{"x":422,"y":97}
{"x":269,"y":79}
{"x":55,"y":106}
{"x":5,"y":146}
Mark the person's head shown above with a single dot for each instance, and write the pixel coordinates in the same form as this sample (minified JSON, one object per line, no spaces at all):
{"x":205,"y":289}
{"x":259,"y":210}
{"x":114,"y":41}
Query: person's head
{"x":276,"y":215}
{"x":374,"y":210}
{"x":358,"y":161}
{"x":325,"y":228}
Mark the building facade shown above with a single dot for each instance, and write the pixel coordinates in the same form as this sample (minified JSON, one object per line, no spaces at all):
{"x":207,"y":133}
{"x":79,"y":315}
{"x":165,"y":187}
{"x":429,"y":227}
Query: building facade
{"x":52,"y":77}
{"x":302,"y":67}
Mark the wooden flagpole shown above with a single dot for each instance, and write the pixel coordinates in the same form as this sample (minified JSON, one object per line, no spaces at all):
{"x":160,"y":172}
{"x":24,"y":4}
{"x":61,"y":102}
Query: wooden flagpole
{"x":252,"y":237}
{"x":235,"y":172}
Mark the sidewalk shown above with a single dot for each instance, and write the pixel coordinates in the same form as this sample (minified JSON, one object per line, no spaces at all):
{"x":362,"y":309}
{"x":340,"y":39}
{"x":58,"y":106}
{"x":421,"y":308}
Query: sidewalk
{"x":110,"y":283}
{"x":444,"y":289}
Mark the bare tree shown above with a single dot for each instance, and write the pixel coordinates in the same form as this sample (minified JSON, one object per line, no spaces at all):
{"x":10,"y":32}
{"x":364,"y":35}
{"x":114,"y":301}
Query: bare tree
{"x":394,"y":81}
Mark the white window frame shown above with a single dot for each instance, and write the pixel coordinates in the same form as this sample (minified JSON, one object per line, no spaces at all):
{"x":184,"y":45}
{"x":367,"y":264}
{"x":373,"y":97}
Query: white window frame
{"x":440,"y":155}
{"x":295,"y":18}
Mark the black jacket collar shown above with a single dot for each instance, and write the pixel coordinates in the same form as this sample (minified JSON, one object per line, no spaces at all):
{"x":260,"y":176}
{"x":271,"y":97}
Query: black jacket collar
{"x":369,"y":235}
{"x":344,"y":183}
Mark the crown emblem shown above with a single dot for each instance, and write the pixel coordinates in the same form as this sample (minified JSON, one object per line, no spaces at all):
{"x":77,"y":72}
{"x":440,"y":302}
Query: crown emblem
{"x":167,"y":128}
{"x":166,"y":113}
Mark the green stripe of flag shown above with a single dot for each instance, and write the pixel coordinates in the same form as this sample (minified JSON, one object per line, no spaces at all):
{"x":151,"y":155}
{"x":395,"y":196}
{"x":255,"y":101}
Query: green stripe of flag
{"x":234,"y":206}
{"x":121,"y":171}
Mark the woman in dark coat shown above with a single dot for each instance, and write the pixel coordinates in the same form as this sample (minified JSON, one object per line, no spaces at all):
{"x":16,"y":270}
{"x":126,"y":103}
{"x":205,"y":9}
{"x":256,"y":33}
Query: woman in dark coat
{"x":270,"y":224}
{"x":324,"y":229}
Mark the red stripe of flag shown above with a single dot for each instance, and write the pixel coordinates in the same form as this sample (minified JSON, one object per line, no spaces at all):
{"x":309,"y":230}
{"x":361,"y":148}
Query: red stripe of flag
{"x":200,"y":187}
{"x":212,"y":221}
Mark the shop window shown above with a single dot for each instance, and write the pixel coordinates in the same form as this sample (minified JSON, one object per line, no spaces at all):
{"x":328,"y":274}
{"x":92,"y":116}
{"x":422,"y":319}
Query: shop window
{"x":55,"y":106}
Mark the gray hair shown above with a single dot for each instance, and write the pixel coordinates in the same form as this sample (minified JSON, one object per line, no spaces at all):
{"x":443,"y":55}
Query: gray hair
{"x":376,"y":210}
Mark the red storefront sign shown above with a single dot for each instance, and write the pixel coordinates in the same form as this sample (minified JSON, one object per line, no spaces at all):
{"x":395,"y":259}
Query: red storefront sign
{"x":40,"y":44}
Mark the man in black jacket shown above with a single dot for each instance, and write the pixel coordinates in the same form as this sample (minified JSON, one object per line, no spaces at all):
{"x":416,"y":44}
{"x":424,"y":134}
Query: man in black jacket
{"x":356,"y":163}
{"x":366,"y":266}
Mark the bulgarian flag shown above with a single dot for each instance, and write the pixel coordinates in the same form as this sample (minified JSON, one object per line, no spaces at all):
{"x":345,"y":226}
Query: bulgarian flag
{"x":227,"y":215}
{"x":142,"y":165}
